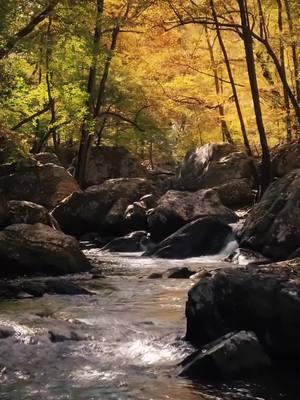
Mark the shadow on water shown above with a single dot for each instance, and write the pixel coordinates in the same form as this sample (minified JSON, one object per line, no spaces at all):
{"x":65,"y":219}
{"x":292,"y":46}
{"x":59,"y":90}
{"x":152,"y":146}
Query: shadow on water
{"x":129,"y":343}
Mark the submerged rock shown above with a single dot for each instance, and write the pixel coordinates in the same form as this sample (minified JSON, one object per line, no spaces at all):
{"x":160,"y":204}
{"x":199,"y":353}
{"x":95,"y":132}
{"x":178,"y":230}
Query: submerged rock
{"x":127,"y":244}
{"x":205,"y":236}
{"x":30,"y":249}
{"x":265,"y":300}
{"x":233,"y":355}
{"x":175,"y":209}
{"x":273,"y":226}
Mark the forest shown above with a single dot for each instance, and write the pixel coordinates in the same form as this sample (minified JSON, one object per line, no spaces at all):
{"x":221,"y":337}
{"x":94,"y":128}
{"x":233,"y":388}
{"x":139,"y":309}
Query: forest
{"x":158,"y":77}
{"x":149,"y":199}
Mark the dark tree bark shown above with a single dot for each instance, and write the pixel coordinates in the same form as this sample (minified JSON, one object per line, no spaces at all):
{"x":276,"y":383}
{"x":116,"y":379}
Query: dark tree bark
{"x":248,"y":44}
{"x":294,"y":49}
{"x":231,"y":79}
{"x":282,"y":59}
{"x":226,"y":136}
{"x":86,"y":134}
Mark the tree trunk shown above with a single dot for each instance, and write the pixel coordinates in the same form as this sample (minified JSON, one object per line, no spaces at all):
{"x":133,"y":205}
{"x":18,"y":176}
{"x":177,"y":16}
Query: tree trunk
{"x":86,"y":134}
{"x":282,"y":59}
{"x":226,"y":136}
{"x":248,"y":44}
{"x":231,"y":79}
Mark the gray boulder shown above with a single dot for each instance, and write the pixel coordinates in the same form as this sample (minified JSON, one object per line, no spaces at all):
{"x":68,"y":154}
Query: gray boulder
{"x":25,"y":212}
{"x":265,"y":300}
{"x":112,"y":162}
{"x":47,"y":158}
{"x":233,"y":355}
{"x":205,"y":236}
{"x":41,"y":184}
{"x":175,"y":209}
{"x":217,"y":166}
{"x":101,"y":208}
{"x":285,"y":159}
{"x":273,"y":226}
{"x":39,"y":249}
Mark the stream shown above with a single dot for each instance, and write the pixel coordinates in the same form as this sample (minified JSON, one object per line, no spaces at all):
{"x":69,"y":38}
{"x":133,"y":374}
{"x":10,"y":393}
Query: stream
{"x":126,"y":340}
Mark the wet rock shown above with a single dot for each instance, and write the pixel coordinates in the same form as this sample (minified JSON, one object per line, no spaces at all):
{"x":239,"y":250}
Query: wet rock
{"x":233,"y":355}
{"x":246,"y":256}
{"x":6,"y":332}
{"x":155,"y":275}
{"x":41,"y":184}
{"x":176,"y":209}
{"x":127,"y":244}
{"x":179,"y":273}
{"x":23,"y":288}
{"x":149,"y":200}
{"x":101,"y":208}
{"x":47,"y":158}
{"x":265,"y":300}
{"x":205,"y":236}
{"x":25,"y":212}
{"x":135,"y":217}
{"x":173,"y":273}
{"x":273,"y":226}
{"x":28,"y":249}
{"x":57,"y":336}
{"x":112,"y":162}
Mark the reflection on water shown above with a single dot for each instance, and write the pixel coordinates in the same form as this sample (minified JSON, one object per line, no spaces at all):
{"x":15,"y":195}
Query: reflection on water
{"x":129,"y":341}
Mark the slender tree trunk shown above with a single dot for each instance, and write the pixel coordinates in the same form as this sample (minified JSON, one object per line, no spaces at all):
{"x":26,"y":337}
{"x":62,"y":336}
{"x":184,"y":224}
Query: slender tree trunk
{"x":226,"y":136}
{"x":294,"y":49}
{"x":104,"y":79}
{"x":86,"y":134}
{"x":282,"y":59}
{"x":231,"y":79}
{"x":248,"y":44}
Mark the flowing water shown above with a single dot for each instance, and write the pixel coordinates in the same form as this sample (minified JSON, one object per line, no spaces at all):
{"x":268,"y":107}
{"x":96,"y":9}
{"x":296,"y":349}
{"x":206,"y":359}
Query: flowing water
{"x":130,"y":345}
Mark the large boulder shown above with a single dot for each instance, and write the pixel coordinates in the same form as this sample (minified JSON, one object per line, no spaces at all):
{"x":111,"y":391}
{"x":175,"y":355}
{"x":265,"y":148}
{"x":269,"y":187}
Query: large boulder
{"x":25,"y":212}
{"x":234,"y":355}
{"x":42,"y":184}
{"x":216,"y":165}
{"x":177,"y":208}
{"x":285,"y":159}
{"x":205,"y":236}
{"x":273,"y":226}
{"x":112,"y":162}
{"x":47,"y":158}
{"x":101,"y":208}
{"x":30,"y":249}
{"x":265,"y":300}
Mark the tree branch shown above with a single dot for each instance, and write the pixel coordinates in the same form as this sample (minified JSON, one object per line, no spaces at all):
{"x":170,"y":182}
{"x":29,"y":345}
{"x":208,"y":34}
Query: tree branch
{"x":12,"y":41}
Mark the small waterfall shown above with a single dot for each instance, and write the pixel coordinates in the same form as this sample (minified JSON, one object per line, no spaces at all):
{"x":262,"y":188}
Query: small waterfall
{"x":230,"y":246}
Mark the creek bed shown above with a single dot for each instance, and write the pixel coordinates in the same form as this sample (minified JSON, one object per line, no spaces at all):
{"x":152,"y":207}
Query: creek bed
{"x":130,"y":340}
